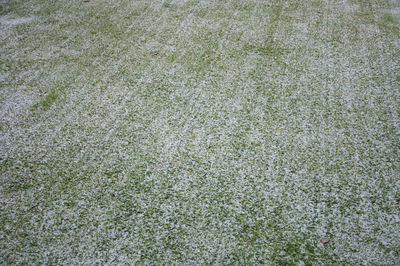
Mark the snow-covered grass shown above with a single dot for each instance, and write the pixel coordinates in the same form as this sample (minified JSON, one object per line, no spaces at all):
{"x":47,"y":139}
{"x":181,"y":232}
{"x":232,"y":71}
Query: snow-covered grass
{"x":199,"y":132}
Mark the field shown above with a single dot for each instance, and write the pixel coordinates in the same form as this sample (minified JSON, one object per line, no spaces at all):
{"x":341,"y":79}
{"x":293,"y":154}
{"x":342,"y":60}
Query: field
{"x":200,"y":132}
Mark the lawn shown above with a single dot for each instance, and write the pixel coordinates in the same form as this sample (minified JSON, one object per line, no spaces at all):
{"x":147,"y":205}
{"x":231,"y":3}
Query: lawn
{"x":200,"y":132}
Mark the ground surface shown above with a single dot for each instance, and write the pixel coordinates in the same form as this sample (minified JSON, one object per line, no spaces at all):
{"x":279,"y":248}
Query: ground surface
{"x":200,"y":131}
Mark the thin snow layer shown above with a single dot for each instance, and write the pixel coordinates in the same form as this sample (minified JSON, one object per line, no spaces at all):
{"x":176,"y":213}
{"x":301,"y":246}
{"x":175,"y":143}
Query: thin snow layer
{"x":9,"y":21}
{"x":200,"y":132}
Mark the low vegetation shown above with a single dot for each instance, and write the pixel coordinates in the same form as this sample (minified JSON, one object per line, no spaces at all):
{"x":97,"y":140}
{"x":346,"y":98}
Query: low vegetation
{"x":200,"y":132}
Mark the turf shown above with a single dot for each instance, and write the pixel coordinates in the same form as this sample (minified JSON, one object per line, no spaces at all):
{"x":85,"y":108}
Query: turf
{"x":200,"y":132}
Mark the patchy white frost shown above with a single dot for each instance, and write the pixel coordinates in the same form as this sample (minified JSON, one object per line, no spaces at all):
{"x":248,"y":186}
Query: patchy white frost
{"x":11,"y":21}
{"x":200,"y":132}
{"x":15,"y":104}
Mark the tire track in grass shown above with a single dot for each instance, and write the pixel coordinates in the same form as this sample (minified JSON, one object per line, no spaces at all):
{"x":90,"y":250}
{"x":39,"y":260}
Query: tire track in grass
{"x":281,"y":243}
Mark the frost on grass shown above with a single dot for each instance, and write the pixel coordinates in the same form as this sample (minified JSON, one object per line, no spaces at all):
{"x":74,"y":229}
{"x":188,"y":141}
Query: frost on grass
{"x":9,"y":21}
{"x":200,"y":132}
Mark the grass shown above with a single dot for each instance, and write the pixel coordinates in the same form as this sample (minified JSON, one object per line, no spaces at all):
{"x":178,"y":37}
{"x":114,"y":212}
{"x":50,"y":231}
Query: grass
{"x":199,"y":132}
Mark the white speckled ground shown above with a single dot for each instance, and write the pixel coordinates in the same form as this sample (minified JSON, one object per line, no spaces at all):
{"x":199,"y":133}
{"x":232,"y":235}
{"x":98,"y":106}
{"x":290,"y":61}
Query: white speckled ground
{"x":194,"y":132}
